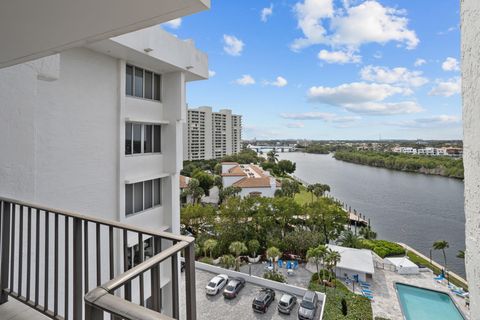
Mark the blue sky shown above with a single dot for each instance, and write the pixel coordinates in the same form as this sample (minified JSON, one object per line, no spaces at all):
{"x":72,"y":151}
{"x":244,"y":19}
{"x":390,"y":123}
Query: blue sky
{"x":327,"y":69}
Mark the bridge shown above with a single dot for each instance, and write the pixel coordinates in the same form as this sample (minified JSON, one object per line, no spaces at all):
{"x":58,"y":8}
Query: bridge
{"x":266,"y":148}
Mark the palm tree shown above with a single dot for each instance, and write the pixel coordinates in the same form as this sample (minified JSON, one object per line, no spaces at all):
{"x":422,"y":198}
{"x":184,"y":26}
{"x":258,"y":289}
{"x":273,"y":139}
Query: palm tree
{"x":367,"y":233}
{"x":317,"y":255}
{"x":272,"y":156}
{"x":442,"y":245}
{"x":273,"y":253}
{"x":210,"y":245}
{"x":461,"y":254}
{"x":333,"y":258}
{"x":227,"y":260}
{"x":253,"y":246}
{"x":237,"y":248}
{"x":349,"y":239}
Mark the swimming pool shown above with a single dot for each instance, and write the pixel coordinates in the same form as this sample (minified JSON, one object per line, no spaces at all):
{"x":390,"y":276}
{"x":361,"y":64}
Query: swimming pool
{"x":425,"y":304}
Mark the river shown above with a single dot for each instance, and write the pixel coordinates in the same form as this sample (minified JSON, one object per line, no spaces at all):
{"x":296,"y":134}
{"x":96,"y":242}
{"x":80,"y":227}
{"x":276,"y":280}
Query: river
{"x":412,"y":208}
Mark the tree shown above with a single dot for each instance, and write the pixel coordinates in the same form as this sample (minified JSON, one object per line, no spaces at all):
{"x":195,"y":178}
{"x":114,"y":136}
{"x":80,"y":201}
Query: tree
{"x":367,"y":233}
{"x":332,"y":258}
{"x":205,"y":180}
{"x":290,"y":187}
{"x":286,"y":166}
{"x":237,"y":248}
{"x":230,"y":191}
{"x":197,"y":218}
{"x":284,"y":209}
{"x":227,"y":260}
{"x":349,"y":239}
{"x":217,"y":181}
{"x":461,"y":254}
{"x":326,"y":216}
{"x":209,"y":245}
{"x":317,"y":255}
{"x":272,"y":156}
{"x":272,"y":254}
{"x":320,"y":189}
{"x":253,"y":246}
{"x":194,"y":190}
{"x":442,"y":245}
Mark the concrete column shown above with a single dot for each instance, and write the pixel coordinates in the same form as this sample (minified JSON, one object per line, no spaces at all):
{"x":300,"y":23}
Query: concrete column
{"x":470,"y":27}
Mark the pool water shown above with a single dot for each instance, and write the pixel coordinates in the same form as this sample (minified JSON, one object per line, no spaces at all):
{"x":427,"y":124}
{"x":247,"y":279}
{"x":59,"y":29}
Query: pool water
{"x":424,"y":304}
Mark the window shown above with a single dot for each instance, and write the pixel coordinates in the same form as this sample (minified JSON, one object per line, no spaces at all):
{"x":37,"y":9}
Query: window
{"x":142,"y":138}
{"x":128,"y":138}
{"x":148,"y":84}
{"x":139,"y":82}
{"x":137,"y":138}
{"x":129,"y":81}
{"x":143,"y":83}
{"x":143,"y":195}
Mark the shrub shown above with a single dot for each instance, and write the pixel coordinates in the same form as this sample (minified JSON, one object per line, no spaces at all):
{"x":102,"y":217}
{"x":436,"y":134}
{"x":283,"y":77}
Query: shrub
{"x":274,"y":276}
{"x":324,"y":275}
{"x":383,"y":248}
{"x":206,"y":260}
{"x":344,"y":307}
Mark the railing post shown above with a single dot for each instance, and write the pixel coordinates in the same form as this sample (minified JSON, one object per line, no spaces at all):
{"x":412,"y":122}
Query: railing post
{"x":92,"y":313}
{"x":77,"y":269}
{"x":155,"y":278}
{"x":190,"y":282}
{"x":175,"y":297}
{"x":5,"y":258}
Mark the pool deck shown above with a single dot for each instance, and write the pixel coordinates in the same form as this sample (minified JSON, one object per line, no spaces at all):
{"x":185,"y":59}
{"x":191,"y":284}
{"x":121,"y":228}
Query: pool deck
{"x":386,"y":302}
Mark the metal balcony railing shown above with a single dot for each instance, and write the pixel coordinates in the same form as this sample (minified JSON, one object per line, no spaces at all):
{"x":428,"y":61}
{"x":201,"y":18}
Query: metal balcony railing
{"x":50,"y":258}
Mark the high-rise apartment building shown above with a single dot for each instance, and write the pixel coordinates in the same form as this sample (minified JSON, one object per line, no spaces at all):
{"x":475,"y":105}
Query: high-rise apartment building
{"x":211,"y":135}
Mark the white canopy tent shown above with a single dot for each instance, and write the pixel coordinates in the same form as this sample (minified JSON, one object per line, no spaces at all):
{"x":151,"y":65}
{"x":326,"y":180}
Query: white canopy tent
{"x":403,"y":265}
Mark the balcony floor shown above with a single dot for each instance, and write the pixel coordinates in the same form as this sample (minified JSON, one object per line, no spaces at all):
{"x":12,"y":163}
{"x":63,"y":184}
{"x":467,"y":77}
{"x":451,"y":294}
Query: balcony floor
{"x":15,"y":310}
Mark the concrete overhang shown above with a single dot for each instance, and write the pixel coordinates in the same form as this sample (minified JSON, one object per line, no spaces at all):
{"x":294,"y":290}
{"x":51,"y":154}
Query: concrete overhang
{"x":157,"y":50}
{"x":31,"y":29}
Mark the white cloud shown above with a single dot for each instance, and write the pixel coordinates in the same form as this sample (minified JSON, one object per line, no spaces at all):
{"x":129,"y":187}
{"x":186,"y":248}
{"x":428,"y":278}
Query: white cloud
{"x":314,"y":115}
{"x":266,"y":12}
{"x":211,"y":73}
{"x":446,"y":88}
{"x":173,"y":24}
{"x":351,"y":27}
{"x":397,"y":76}
{"x":450,"y":64}
{"x":232,"y":45}
{"x":339,"y":57}
{"x":245,"y":80}
{"x":442,"y":33}
{"x":295,"y":125}
{"x":362,"y":97}
{"x":429,"y":122}
{"x":419,"y":62}
{"x":279,"y":82}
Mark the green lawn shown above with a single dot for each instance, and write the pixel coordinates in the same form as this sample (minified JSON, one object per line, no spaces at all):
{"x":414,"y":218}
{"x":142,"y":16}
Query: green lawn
{"x":359,"y":308}
{"x":304,"y":196}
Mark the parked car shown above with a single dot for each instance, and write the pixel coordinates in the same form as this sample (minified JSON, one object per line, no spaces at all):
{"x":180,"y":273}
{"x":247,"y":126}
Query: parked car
{"x":216,"y":284}
{"x":264,"y":298}
{"x":308,"y":307}
{"x":287,"y":303}
{"x":233,"y":287}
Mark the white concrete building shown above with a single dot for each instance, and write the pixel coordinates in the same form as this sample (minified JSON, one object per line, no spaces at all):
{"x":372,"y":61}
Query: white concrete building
{"x":211,"y":135}
{"x":250,"y":178}
{"x":354,"y":262}
{"x":470,"y":27}
{"x":98,"y":129}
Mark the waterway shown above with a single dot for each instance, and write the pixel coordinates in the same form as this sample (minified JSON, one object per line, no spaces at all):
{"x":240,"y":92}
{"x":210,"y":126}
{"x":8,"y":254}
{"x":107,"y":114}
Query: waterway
{"x":412,"y":208}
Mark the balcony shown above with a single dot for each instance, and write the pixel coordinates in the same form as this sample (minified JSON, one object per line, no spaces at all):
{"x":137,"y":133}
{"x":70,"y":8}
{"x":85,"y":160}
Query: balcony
{"x":69,"y":266}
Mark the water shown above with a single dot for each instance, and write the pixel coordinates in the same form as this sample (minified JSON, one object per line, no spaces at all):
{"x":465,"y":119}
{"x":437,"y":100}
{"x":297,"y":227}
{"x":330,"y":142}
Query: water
{"x":412,"y":208}
{"x":424,"y":304}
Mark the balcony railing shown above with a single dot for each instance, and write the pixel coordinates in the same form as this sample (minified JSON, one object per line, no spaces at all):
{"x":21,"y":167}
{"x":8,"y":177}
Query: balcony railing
{"x":70,"y":266}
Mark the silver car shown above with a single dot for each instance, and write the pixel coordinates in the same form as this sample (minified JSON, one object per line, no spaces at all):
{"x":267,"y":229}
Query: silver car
{"x":308,"y":307}
{"x":286,"y":304}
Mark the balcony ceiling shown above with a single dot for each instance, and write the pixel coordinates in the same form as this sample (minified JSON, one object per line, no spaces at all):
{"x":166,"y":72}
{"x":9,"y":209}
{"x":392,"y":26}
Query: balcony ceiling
{"x":31,"y":29}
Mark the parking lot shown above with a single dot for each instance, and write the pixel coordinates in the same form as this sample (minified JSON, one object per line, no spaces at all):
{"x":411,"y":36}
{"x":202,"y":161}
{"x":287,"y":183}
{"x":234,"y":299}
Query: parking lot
{"x":217,"y":307}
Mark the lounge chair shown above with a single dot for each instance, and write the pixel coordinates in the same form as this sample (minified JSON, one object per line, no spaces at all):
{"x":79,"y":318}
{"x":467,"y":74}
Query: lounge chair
{"x":439,"y":278}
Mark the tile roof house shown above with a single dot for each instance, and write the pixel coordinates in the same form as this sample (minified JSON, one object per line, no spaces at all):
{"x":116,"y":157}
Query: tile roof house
{"x":251,"y":178}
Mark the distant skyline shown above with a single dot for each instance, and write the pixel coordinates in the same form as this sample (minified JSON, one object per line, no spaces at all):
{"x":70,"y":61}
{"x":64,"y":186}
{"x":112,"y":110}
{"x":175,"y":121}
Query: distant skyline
{"x":325,"y":69}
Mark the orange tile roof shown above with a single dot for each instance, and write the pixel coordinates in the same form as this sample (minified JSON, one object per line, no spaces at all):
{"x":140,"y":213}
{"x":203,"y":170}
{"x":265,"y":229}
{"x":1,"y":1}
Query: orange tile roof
{"x":235,"y":172}
{"x":254,"y":183}
{"x":183,"y":182}
{"x":230,"y":163}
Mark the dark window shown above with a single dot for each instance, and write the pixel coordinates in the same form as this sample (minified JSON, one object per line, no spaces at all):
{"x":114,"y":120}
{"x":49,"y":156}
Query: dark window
{"x":158,"y":87}
{"x":138,"y":196}
{"x":128,"y":138}
{"x":148,"y":194}
{"x":129,"y":81}
{"x":139,"y":82}
{"x":128,"y":199}
{"x":157,"y":139}
{"x":148,"y":84}
{"x":147,"y":140}
{"x":157,"y":192}
{"x":137,"y":138}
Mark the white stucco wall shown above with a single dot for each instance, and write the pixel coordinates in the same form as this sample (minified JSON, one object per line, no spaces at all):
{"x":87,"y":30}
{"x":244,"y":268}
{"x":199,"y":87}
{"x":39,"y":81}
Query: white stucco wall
{"x":470,"y":26}
{"x":266,"y":192}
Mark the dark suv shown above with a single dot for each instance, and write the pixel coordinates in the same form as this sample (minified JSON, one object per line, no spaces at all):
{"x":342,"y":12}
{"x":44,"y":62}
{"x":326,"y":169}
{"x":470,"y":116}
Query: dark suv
{"x":264,"y":298}
{"x":308,"y":307}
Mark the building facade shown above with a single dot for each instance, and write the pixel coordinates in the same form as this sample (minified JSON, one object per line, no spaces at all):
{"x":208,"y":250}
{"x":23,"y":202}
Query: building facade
{"x":98,"y":130}
{"x":211,"y":135}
